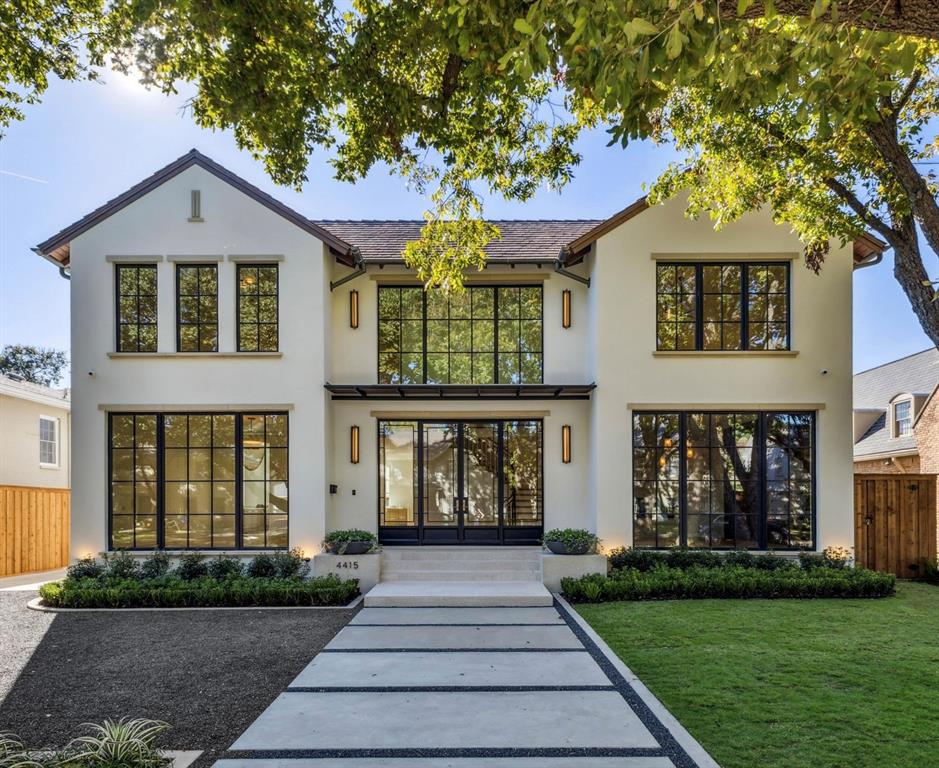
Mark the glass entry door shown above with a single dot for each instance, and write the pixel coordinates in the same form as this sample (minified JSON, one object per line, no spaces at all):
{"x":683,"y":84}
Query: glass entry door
{"x":455,"y":482}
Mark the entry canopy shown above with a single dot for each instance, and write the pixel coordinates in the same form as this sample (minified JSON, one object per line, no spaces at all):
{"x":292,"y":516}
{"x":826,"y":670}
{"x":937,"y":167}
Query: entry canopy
{"x":460,"y":391}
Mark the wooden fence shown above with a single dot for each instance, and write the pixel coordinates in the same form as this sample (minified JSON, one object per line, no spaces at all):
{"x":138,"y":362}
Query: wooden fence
{"x":34,"y":529}
{"x":895,"y":522}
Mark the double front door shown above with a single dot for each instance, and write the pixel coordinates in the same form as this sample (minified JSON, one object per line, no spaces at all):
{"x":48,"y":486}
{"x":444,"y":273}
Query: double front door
{"x":466,"y":481}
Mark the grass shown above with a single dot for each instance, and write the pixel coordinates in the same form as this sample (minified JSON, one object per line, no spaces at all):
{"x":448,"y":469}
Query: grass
{"x":791,"y":683}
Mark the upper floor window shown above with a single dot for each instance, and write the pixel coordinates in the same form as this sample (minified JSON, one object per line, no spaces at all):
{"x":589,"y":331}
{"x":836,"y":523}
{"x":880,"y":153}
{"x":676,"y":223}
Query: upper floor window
{"x":48,"y":441}
{"x":136,"y":307}
{"x":197,"y":308}
{"x":712,"y":306}
{"x":484,"y":335}
{"x":902,"y":418}
{"x":257,"y":308}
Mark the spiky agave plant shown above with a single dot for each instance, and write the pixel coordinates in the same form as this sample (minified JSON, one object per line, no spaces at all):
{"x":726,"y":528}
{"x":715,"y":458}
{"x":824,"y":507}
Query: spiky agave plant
{"x":14,"y":755}
{"x":122,"y":744}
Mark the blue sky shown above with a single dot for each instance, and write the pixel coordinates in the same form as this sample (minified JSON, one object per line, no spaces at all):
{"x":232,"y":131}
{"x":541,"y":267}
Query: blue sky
{"x":87,"y":142}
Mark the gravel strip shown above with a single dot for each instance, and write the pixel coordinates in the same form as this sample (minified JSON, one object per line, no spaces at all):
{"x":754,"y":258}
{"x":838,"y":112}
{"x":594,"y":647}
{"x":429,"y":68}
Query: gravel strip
{"x":209,"y":674}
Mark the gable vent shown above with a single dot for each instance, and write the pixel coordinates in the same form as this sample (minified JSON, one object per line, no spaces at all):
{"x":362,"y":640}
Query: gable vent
{"x":195,"y":203}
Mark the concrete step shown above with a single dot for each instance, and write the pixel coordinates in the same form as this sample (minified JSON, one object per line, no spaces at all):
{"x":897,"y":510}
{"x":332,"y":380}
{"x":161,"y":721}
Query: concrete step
{"x":462,"y":575}
{"x":419,"y":594}
{"x":472,"y":554}
{"x":503,"y":564}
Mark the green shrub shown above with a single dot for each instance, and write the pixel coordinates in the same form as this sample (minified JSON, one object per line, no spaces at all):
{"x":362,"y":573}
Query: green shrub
{"x":224,"y":567}
{"x":730,"y":581}
{"x":291,"y":565}
{"x":262,"y":566}
{"x":86,"y":568}
{"x":929,"y":571}
{"x":576,"y":540}
{"x":155,"y":565}
{"x":120,"y":564}
{"x":191,"y":566}
{"x":646,"y":560}
{"x":337,"y":540}
{"x":172,"y":591}
{"x":831,"y":557}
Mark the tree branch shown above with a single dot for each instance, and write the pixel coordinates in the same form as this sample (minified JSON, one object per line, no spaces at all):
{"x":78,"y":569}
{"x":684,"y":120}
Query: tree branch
{"x":898,"y":106}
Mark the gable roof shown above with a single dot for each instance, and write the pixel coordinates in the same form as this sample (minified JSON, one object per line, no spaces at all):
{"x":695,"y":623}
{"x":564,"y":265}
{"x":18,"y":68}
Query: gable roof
{"x":13,"y":386}
{"x":875,"y":388}
{"x":532,"y":241}
{"x":865,"y":245}
{"x":57,"y":247}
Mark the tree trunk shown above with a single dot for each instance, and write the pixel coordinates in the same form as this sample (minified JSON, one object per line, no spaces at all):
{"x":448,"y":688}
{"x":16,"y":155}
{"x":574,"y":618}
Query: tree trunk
{"x":919,"y":18}
{"x":911,"y":274}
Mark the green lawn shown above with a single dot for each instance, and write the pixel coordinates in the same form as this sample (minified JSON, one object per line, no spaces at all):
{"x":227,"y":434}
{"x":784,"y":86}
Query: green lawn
{"x":791,"y":683}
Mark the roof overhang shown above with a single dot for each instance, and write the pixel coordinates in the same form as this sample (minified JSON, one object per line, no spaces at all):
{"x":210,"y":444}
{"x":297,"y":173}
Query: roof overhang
{"x":460,"y":391}
{"x":885,"y":454}
{"x":57,"y":248}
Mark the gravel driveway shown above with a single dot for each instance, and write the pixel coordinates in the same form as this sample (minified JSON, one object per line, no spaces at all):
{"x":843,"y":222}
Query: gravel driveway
{"x":207,"y":673}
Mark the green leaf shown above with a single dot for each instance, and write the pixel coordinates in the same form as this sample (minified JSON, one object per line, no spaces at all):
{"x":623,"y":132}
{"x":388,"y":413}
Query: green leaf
{"x":521,"y":25}
{"x":644,"y":27}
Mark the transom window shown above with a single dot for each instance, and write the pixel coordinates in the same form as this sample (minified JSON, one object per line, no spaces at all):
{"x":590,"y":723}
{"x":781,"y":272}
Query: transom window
{"x":197,"y":308}
{"x":198,"y":481}
{"x":48,"y":441}
{"x":136,"y":307}
{"x":733,"y":306}
{"x":724,"y":480}
{"x":484,"y":335}
{"x":902,"y":418}
{"x":257,"y":308}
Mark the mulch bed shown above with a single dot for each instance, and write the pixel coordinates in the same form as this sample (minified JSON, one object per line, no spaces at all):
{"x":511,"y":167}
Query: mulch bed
{"x":207,"y":673}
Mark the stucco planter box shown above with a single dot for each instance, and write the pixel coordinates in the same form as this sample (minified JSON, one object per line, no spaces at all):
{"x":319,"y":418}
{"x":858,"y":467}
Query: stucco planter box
{"x":557,"y":567}
{"x":365,"y":568}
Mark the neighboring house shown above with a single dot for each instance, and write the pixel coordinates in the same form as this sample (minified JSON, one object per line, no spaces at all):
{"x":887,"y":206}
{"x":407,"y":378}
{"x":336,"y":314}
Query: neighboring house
{"x":644,"y":377}
{"x":896,"y":427}
{"x":35,"y":473}
{"x":34,"y":425}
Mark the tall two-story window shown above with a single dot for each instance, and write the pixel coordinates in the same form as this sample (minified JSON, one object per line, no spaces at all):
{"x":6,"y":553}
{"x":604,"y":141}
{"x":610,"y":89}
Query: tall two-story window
{"x":484,"y":335}
{"x":732,"y":307}
{"x":136,"y":307}
{"x":257,"y":308}
{"x":724,"y":480}
{"x":198,"y":480}
{"x":197,"y":308}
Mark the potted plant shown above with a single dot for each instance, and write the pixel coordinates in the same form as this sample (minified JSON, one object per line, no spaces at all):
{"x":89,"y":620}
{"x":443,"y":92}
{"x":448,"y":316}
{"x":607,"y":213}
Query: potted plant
{"x":570,"y":541}
{"x":349,"y":541}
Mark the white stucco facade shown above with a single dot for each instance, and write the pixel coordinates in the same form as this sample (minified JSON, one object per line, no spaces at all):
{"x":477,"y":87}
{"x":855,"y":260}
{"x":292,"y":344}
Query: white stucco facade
{"x":29,"y":414}
{"x":611,"y":342}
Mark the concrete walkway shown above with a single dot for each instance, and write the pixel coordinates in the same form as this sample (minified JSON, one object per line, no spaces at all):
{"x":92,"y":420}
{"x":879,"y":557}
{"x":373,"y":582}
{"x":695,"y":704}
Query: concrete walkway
{"x":460,"y":687}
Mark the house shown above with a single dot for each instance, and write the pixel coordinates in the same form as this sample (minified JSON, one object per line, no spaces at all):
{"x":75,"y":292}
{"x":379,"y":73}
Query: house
{"x":644,"y":377}
{"x":35,"y":474}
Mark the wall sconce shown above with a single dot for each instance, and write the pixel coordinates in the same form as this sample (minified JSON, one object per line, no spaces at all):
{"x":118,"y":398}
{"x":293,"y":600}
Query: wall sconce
{"x":354,"y":443}
{"x":353,"y":309}
{"x":566,"y":308}
{"x":566,"y":444}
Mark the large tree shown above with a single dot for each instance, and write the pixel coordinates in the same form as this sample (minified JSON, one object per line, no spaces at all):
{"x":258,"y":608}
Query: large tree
{"x":34,"y":364}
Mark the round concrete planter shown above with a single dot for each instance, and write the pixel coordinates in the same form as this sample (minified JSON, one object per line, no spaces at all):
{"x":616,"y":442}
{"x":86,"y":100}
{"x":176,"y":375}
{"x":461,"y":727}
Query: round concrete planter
{"x":351,"y":548}
{"x":560,"y":548}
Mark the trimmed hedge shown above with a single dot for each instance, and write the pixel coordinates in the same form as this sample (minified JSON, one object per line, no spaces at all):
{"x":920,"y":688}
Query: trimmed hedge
{"x":646,"y":559}
{"x":729,"y":581}
{"x":174,"y":592}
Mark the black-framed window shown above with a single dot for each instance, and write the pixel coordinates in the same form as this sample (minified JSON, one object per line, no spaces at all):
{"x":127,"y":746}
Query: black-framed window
{"x":724,"y":480}
{"x":722,"y":306}
{"x":198,"y":480}
{"x":197,"y":307}
{"x":484,"y":335}
{"x":257,"y":307}
{"x":136,"y":287}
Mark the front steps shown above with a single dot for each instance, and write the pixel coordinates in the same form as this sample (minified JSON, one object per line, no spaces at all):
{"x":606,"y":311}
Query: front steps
{"x":459,"y":576}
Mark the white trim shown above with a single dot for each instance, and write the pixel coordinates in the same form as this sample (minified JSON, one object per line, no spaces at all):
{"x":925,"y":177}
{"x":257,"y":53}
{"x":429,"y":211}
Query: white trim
{"x":258,"y":258}
{"x":195,"y":355}
{"x":196,"y":259}
{"x":895,"y":433}
{"x":127,"y":259}
{"x":696,"y":257}
{"x":10,"y":389}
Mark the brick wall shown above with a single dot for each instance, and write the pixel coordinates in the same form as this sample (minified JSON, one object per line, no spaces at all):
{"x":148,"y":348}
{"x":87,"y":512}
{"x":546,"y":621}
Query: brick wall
{"x":926,"y":432}
{"x":898,"y":465}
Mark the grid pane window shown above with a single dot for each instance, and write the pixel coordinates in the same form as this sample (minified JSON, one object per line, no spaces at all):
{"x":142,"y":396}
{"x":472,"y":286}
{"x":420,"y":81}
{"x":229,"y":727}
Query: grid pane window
{"x":713,"y":307}
{"x":198,"y":481}
{"x":197,"y":308}
{"x":257,"y":308}
{"x":136,"y":307}
{"x":48,"y":441}
{"x":523,"y":484}
{"x":723,"y":480}
{"x":484,"y":335}
{"x":902,"y":419}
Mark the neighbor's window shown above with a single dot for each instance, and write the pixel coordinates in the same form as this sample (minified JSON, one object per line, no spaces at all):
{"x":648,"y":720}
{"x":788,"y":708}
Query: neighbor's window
{"x":902,"y":418}
{"x":257,"y":308}
{"x":484,"y":335}
{"x":136,"y":307}
{"x":48,"y":441}
{"x":198,"y":481}
{"x":711,"y":306}
{"x":197,"y":308}
{"x":723,"y":480}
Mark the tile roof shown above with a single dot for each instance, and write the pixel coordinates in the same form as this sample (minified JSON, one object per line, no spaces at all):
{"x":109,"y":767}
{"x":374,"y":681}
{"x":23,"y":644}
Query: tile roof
{"x":874,"y":389}
{"x":522,"y":239}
